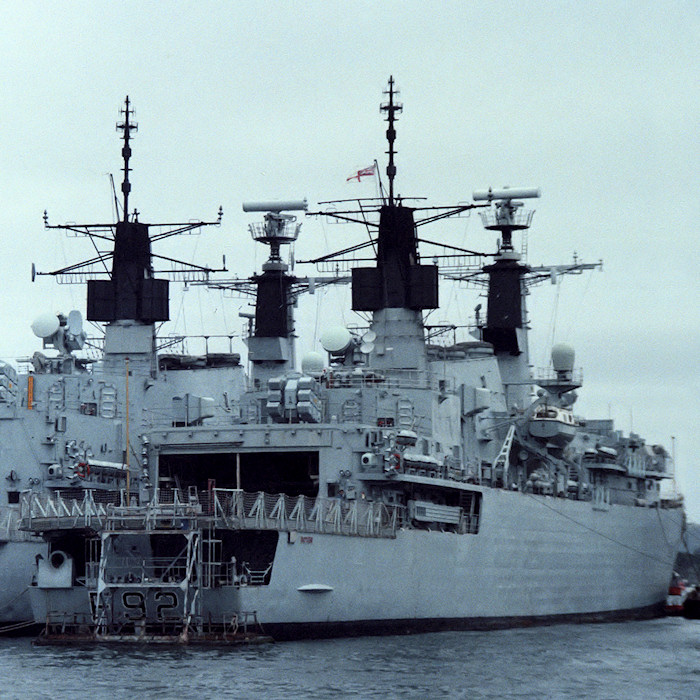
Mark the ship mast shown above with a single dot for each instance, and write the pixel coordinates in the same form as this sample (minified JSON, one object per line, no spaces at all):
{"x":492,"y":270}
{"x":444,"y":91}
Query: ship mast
{"x":392,"y":109}
{"x":398,"y":288}
{"x":505,"y":314}
{"x":131,"y":300}
{"x":126,"y":127}
{"x":509,"y":277}
{"x":271,"y":338}
{"x":506,"y":322}
{"x":271,"y":345}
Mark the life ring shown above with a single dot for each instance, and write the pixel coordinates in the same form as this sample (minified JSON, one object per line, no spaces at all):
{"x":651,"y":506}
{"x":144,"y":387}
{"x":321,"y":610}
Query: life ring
{"x":85,"y":472}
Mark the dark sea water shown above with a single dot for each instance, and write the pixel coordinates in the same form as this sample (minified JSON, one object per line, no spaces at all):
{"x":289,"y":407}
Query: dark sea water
{"x":651,"y":659}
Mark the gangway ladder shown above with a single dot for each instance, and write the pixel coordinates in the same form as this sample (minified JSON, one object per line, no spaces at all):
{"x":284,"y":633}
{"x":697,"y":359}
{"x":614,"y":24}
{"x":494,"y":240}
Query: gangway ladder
{"x":500,"y":465}
{"x":191,"y":586}
{"x":101,"y":608}
{"x":213,"y":567}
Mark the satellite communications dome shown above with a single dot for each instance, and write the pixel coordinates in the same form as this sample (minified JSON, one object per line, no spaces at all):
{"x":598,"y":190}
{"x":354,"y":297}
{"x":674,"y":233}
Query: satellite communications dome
{"x":45,"y":326}
{"x":563,"y":357}
{"x":336,"y":339}
{"x":312,"y":363}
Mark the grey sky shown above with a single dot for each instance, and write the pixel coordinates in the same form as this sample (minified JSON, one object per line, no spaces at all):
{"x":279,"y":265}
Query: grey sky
{"x":597,"y":103}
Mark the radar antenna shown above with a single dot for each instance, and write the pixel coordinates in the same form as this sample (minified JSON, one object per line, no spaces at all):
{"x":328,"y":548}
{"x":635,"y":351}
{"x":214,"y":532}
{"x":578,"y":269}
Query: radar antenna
{"x":506,"y":216}
{"x":278,"y":228}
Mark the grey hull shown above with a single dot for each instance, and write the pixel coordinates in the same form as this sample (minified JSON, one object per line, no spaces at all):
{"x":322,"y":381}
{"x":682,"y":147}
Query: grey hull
{"x":535,"y":560}
{"x":17,"y":563}
{"x":356,"y":628}
{"x":533,"y":557}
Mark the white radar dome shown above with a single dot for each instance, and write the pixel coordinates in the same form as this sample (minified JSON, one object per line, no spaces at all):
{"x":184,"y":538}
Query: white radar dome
{"x":45,"y":326}
{"x":563,"y":357}
{"x":336,"y":339}
{"x":312,"y":363}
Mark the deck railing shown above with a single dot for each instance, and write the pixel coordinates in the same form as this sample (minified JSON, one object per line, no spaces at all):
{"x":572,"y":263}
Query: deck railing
{"x":50,"y":511}
{"x":262,"y":511}
{"x":9,"y":522}
{"x":221,"y":508}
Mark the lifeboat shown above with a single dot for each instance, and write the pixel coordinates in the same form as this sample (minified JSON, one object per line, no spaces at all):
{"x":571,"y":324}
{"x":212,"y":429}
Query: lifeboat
{"x":553,"y":424}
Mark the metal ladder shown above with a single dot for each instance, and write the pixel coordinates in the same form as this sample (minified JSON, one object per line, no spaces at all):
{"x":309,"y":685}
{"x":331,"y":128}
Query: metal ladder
{"x":500,"y":465}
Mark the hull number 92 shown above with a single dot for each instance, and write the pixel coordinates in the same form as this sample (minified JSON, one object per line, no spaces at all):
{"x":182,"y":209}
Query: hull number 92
{"x":139,"y":606}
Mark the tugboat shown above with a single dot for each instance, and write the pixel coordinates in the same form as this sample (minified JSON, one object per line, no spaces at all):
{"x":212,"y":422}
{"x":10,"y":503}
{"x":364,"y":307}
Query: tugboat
{"x":678,"y":593}
{"x":405,"y":481}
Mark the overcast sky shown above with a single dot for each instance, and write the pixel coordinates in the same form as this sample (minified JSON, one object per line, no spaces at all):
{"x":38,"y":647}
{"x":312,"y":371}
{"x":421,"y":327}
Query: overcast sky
{"x":596,"y":103}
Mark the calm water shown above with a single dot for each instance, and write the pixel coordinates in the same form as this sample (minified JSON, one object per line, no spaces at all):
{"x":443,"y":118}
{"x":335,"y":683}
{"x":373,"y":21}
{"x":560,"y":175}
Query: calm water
{"x":654,"y":659}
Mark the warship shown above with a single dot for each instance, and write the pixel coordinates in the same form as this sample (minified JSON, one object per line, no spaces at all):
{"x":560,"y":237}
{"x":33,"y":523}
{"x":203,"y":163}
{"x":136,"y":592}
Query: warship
{"x":403,"y":480}
{"x":71,"y":415}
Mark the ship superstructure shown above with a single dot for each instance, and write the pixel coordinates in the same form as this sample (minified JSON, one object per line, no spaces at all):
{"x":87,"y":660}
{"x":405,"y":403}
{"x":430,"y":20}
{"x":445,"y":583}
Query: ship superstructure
{"x":70,"y":422}
{"x":395,"y":484}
